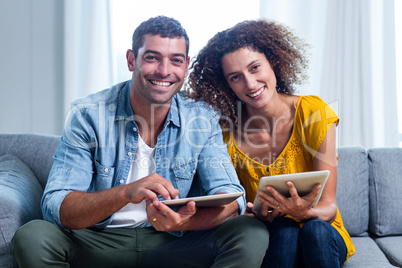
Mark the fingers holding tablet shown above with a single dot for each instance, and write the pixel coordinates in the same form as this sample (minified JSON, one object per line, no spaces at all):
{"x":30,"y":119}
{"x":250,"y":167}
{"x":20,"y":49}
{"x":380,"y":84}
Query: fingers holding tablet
{"x":271,"y":188}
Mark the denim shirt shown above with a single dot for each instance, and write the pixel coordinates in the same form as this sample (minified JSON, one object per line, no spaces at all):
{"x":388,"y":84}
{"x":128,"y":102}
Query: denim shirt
{"x":100,"y":140}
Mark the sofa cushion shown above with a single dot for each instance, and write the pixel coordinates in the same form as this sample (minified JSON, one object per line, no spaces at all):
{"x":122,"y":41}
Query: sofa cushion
{"x":385,"y":191}
{"x":19,"y":202}
{"x":353,"y":189}
{"x":391,"y":246}
{"x":35,"y":150}
{"x":368,"y":254}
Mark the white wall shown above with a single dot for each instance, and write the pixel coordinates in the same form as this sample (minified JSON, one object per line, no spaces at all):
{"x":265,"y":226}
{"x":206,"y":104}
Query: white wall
{"x":31,"y":66}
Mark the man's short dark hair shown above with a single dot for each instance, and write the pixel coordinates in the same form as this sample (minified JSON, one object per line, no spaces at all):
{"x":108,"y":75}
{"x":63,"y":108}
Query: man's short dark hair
{"x":161,"y":25}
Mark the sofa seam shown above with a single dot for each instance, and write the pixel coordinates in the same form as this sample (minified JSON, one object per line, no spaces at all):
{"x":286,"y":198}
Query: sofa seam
{"x":372,"y":177}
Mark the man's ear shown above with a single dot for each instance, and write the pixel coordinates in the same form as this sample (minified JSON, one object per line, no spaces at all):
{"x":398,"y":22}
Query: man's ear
{"x":188,"y":65}
{"x":130,"y":60}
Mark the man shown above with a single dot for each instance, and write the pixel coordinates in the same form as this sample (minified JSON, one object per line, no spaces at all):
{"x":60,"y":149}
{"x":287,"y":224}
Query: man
{"x":124,"y":149}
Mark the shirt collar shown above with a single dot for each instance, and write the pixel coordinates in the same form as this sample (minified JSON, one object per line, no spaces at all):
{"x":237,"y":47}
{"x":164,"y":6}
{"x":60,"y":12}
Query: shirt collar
{"x":124,"y":110}
{"x":174,"y":113}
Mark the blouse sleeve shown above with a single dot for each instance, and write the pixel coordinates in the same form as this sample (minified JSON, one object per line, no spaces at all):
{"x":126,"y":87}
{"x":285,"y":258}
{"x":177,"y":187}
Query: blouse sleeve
{"x":315,"y":117}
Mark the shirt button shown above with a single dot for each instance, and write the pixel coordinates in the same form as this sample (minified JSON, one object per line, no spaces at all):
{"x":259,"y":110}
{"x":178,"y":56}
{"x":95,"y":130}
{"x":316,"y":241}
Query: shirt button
{"x":134,"y":128}
{"x":121,"y":181}
{"x":106,"y":169}
{"x":129,"y":153}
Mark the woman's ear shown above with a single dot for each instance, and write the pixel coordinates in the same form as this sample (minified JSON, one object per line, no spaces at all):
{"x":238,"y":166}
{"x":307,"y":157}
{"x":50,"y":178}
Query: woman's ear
{"x":130,"y":60}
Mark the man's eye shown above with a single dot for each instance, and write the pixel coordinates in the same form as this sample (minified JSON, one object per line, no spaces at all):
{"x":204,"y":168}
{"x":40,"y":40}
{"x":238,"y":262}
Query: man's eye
{"x":178,"y":61}
{"x":150,"y":58}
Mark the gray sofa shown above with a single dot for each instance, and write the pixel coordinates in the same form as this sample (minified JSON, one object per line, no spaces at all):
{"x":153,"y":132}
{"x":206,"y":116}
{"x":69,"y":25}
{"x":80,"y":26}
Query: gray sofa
{"x":369,"y":196}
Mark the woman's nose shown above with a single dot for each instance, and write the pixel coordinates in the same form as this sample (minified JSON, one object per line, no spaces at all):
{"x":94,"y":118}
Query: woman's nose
{"x":250,"y":81}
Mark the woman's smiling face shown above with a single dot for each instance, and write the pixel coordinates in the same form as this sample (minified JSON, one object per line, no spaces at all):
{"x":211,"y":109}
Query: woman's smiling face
{"x":250,"y":76}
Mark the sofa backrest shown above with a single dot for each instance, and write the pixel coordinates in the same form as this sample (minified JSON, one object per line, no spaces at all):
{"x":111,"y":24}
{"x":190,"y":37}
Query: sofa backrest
{"x":385,"y":191}
{"x":35,"y":150}
{"x":352,"y":192}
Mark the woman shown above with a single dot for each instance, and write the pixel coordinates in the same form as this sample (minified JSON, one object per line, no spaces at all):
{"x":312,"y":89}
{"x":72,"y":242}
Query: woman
{"x":248,"y":73}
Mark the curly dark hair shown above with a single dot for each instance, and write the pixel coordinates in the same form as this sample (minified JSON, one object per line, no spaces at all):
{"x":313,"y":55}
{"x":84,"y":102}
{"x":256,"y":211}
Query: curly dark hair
{"x":284,"y":51}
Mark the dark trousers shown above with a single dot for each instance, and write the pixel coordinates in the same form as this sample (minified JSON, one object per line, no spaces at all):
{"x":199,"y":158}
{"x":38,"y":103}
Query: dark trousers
{"x":239,"y":242}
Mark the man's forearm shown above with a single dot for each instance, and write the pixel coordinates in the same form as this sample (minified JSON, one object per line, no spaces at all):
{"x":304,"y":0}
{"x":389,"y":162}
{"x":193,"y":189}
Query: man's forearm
{"x":81,"y":210}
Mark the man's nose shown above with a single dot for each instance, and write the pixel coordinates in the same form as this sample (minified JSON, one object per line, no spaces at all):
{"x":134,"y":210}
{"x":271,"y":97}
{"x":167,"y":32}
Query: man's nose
{"x":164,"y":68}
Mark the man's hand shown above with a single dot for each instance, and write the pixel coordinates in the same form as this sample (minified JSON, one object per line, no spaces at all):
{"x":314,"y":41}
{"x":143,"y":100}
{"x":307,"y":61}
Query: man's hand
{"x":149,"y":187}
{"x":163,"y":218}
{"x":81,"y":209}
{"x":249,"y":210}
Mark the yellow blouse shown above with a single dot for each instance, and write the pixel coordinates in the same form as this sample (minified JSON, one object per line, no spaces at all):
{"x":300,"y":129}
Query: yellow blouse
{"x":313,"y":118}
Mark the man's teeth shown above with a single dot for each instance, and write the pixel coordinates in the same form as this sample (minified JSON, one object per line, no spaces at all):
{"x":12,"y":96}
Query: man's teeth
{"x":161,"y":84}
{"x":257,"y":93}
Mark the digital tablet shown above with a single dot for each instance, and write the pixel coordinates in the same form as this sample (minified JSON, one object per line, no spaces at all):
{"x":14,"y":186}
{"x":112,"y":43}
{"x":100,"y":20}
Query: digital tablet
{"x":204,"y":201}
{"x":304,"y":183}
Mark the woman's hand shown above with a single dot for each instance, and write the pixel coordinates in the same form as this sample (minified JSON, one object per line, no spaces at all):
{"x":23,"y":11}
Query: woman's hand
{"x":265,"y":214}
{"x":300,"y":207}
{"x":278,"y":205}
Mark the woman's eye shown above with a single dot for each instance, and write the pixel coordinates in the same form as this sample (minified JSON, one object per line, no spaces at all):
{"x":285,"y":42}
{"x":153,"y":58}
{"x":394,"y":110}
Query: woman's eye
{"x":234,"y":78}
{"x":255,"y":67}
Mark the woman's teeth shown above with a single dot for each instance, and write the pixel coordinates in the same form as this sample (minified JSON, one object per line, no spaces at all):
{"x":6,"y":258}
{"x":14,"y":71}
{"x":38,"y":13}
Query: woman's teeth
{"x":256,"y":93}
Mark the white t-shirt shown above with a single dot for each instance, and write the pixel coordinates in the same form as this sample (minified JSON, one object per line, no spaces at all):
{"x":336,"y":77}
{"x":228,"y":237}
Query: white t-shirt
{"x":134,"y":215}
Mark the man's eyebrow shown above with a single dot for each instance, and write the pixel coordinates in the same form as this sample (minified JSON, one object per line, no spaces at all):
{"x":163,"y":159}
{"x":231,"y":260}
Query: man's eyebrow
{"x":149,"y":51}
{"x":179,"y":55}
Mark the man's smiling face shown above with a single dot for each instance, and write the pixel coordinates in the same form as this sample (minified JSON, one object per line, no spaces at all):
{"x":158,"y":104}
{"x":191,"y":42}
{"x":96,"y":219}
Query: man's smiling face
{"x":159,"y":69}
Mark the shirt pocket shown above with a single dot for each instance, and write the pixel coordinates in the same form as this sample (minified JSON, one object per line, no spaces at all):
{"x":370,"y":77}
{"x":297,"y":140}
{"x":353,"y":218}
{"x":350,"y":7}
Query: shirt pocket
{"x":184,"y":174}
{"x":103,"y":177}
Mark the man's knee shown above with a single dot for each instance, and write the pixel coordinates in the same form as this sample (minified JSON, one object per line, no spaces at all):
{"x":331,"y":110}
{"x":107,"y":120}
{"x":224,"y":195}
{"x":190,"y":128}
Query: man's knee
{"x":243,"y":238}
{"x":31,"y":240}
{"x":31,"y":232}
{"x":247,"y":230}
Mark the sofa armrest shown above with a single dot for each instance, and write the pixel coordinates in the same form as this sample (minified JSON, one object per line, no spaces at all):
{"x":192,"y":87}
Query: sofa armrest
{"x":35,"y":150}
{"x":20,"y":195}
